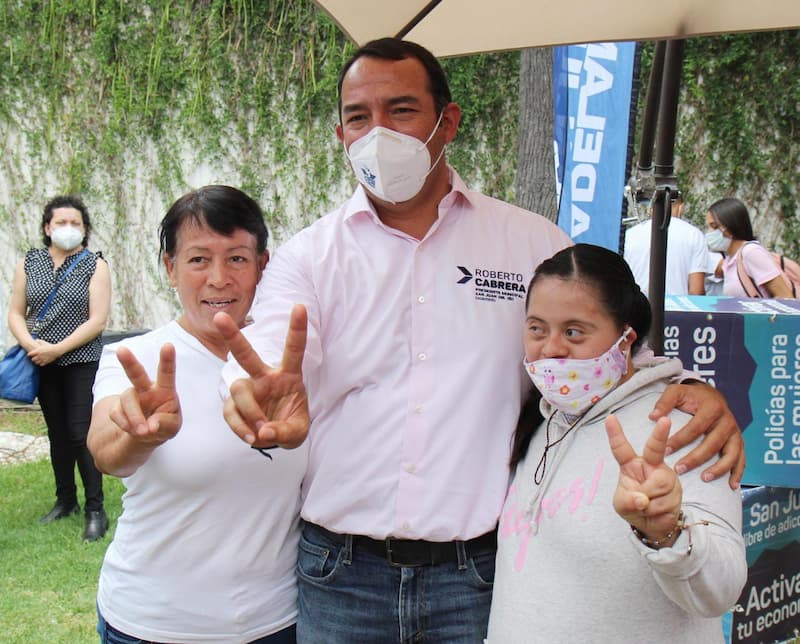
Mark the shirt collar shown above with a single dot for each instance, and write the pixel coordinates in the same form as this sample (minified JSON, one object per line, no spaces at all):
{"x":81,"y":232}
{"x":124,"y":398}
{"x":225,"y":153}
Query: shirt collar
{"x":359,"y":203}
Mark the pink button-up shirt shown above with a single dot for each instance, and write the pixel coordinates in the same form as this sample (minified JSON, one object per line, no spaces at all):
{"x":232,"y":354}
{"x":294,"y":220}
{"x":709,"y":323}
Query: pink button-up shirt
{"x":413,"y":363}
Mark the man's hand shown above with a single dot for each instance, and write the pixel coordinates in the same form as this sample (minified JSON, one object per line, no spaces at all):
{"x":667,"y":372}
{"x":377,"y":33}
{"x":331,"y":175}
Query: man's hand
{"x":649,"y":493}
{"x":149,"y":412}
{"x":712,"y":417}
{"x":270,"y":407}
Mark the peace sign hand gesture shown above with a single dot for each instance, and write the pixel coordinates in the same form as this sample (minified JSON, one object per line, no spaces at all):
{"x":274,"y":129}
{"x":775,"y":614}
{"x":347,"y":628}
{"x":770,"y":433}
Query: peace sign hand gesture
{"x":149,"y":412}
{"x":270,"y":407}
{"x":649,"y":493}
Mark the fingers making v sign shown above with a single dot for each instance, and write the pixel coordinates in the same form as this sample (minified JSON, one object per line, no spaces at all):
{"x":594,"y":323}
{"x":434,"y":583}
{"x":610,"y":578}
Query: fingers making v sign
{"x":649,"y":493}
{"x":149,"y":412}
{"x":270,"y":406}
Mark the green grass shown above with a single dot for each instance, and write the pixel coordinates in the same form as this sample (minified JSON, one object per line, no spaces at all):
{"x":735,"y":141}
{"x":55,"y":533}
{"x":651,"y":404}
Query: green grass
{"x":48,"y":576}
{"x":23,"y":419}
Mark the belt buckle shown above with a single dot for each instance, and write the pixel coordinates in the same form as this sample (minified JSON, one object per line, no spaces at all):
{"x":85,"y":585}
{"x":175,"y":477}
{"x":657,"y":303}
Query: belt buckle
{"x":390,"y":556}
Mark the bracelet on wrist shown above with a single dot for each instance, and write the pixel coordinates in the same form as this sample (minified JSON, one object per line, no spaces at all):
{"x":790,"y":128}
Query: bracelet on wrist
{"x":680,"y":525}
{"x":657,"y":543}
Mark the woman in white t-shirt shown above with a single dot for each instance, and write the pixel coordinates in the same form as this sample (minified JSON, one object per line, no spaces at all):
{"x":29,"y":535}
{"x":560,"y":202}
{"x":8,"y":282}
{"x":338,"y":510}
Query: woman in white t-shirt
{"x":206,"y":546}
{"x":731,"y":233}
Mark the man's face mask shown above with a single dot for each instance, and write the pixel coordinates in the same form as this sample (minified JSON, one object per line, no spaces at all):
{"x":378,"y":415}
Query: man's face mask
{"x":391,"y":165}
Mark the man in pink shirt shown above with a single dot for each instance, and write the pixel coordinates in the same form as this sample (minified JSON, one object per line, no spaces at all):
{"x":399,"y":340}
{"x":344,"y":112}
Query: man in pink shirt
{"x":415,"y":292}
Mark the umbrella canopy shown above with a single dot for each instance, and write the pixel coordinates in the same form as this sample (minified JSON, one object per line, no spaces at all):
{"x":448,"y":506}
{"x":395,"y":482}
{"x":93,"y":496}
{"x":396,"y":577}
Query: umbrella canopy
{"x":456,"y":27}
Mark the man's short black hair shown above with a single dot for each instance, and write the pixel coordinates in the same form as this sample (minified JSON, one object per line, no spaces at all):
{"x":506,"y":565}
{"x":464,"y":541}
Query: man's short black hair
{"x":398,"y":49}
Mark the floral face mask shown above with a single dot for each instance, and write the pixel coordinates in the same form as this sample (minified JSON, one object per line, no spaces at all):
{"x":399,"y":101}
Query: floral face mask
{"x":572,"y":385}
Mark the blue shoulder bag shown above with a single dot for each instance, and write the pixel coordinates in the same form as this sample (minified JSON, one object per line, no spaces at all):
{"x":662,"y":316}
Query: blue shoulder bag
{"x":19,"y":377}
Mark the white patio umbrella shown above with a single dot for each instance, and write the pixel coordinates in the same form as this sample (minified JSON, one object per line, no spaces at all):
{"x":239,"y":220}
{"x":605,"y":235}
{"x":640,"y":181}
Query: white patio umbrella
{"x":458,"y":27}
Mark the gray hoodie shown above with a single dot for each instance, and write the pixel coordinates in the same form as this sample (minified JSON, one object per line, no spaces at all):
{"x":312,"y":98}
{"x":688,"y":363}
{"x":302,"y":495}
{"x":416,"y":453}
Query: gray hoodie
{"x":569,"y":568}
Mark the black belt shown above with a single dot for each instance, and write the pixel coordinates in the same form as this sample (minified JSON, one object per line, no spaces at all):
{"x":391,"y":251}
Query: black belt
{"x":413,"y":552}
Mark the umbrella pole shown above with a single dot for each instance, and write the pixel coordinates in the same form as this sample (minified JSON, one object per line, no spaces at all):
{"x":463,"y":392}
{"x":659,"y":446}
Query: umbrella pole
{"x":665,"y":185}
{"x":645,"y":162}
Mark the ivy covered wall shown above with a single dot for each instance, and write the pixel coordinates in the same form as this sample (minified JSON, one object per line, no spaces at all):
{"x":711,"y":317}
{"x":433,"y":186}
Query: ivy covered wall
{"x":739,"y":129}
{"x":132,"y":104}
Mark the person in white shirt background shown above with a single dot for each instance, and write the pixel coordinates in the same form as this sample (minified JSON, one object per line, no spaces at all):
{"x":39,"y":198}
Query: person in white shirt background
{"x":687,"y":254}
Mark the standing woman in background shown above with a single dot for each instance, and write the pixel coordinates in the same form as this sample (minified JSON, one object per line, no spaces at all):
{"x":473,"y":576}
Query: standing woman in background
{"x":731,"y":233}
{"x":67,"y":348}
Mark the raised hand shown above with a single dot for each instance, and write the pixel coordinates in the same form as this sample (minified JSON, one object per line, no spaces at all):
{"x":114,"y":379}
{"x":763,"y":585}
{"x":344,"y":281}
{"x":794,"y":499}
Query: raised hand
{"x":149,"y":412}
{"x":649,"y":493}
{"x":270,"y":407}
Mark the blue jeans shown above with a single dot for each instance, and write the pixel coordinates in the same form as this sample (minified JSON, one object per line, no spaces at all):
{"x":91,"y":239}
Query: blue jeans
{"x":110,"y":635}
{"x":346,"y":595}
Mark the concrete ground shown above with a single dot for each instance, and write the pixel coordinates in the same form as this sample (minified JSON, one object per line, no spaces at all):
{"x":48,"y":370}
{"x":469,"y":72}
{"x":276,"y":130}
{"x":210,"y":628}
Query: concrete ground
{"x":21,"y":448}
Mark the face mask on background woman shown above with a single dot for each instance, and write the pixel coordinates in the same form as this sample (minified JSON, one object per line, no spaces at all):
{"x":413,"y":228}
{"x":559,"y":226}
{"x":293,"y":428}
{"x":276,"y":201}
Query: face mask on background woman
{"x":717,"y":242}
{"x":66,"y":237}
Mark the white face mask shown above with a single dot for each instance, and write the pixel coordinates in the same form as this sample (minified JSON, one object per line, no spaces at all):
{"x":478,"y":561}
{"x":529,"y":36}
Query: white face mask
{"x":717,"y":241}
{"x":66,"y":237}
{"x":391,"y":165}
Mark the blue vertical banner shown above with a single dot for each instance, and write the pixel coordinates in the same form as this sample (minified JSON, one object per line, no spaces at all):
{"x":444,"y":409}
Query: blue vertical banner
{"x":591,"y":103}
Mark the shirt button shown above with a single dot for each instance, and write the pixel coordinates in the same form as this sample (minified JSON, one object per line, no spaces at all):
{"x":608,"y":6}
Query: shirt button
{"x":406,"y":526}
{"x":418,"y":409}
{"x":421,"y":299}
{"x":409,"y":467}
{"x":421,"y":356}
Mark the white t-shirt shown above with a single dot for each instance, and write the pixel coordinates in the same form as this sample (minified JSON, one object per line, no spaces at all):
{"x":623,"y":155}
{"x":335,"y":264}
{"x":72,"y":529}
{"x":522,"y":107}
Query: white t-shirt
{"x":206,"y":546}
{"x":687,"y":252}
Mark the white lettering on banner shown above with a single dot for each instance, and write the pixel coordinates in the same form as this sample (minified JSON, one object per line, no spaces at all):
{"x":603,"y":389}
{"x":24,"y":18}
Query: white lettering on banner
{"x":778,"y":591}
{"x":672,"y":341}
{"x":704,"y":354}
{"x":775,"y":426}
{"x":795,"y":401}
{"x":587,"y":150}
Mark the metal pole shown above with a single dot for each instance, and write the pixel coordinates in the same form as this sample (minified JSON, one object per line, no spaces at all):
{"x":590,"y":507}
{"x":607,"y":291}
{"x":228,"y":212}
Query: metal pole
{"x":645,"y":162}
{"x":641,"y":184}
{"x":665,"y":185}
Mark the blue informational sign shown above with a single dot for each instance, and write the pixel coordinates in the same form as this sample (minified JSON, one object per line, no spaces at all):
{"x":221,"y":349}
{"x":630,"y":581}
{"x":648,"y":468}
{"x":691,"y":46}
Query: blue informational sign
{"x":749,"y":349}
{"x":591,"y":102}
{"x":769,"y":606}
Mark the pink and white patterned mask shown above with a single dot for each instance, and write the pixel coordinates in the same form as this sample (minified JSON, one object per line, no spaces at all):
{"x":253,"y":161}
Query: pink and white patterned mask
{"x":572,"y":385}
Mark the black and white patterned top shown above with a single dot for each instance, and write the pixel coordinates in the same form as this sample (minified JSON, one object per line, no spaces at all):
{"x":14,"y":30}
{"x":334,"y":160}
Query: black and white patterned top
{"x":70,"y":307}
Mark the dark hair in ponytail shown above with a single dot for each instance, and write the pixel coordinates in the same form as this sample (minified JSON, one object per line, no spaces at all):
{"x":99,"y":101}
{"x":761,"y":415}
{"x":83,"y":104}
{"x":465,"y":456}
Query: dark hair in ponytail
{"x":611,"y":277}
